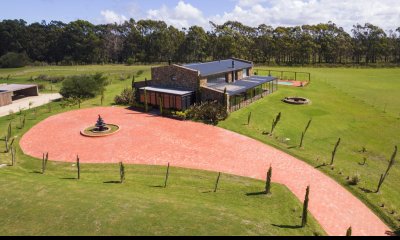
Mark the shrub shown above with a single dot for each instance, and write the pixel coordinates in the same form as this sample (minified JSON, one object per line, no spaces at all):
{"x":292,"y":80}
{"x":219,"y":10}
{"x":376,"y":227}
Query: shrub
{"x":52,"y":79}
{"x":180,"y":114}
{"x":140,"y":72}
{"x":41,"y":86}
{"x":354,"y":180}
{"x":130,"y":61}
{"x":209,"y":112}
{"x":14,"y":60}
{"x":84,"y":86}
{"x":127,"y":97}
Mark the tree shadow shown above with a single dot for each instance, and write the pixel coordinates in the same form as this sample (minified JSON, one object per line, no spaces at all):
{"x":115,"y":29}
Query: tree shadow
{"x":68,"y":178}
{"x":365,"y":190}
{"x":287,"y":226}
{"x":36,"y":172}
{"x":207,"y":192}
{"x":157,"y":186}
{"x":112,"y":182}
{"x":292,"y":147}
{"x":320,"y":166}
{"x":256,"y":194}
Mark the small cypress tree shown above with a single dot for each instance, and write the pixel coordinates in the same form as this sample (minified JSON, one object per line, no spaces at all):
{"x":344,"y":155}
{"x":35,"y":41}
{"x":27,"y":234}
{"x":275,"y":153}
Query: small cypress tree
{"x":349,"y":232}
{"x":275,"y":122}
{"x":49,"y":107}
{"x":78,"y":166}
{"x":13,"y":157}
{"x":44,"y":162}
{"x":305,"y":208}
{"x":166,"y":177}
{"x":9,"y":131}
{"x":383,"y":176}
{"x":249,"y":119}
{"x":217,"y":182}
{"x":133,"y":82}
{"x":102,"y":98}
{"x":9,"y":145}
{"x":6,"y":143}
{"x":268,"y":182}
{"x":303,"y":134}
{"x":122,"y":172}
{"x":225,"y":98}
{"x":334,"y":151}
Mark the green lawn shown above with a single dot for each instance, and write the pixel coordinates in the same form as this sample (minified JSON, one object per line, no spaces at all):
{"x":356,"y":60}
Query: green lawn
{"x":57,"y":204}
{"x":346,"y":103}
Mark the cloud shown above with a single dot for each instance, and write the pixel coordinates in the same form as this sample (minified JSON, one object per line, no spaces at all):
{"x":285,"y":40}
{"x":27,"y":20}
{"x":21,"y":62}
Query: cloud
{"x":345,"y":13}
{"x":112,"y":17}
{"x":183,"y":15}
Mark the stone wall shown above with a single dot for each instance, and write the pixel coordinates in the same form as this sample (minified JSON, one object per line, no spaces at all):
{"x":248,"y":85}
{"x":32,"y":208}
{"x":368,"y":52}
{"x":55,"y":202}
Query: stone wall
{"x":5,"y":98}
{"x":175,"y":77}
{"x":208,"y":94}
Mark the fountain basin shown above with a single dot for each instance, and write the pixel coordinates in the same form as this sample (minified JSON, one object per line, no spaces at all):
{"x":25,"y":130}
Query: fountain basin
{"x":92,"y":131}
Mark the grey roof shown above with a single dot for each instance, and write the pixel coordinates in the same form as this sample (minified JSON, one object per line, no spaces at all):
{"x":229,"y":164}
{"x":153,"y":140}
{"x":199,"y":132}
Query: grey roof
{"x":165,"y":90}
{"x":218,"y":67}
{"x":243,"y":85}
{"x":14,"y":87}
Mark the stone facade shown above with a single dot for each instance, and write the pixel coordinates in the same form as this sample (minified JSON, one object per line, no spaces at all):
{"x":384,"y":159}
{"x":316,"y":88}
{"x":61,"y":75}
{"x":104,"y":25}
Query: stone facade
{"x":208,"y":94}
{"x":203,"y":82}
{"x":175,"y":77}
{"x":251,"y":72}
{"x":229,"y":77}
{"x":239,"y":75}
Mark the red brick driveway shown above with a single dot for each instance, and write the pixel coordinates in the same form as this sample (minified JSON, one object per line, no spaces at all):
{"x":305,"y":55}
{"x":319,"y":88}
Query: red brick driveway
{"x":147,"y":139}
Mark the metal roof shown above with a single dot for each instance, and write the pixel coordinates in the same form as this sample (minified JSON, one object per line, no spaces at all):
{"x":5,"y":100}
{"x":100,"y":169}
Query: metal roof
{"x":14,"y":87}
{"x":165,"y":90}
{"x":218,"y":67}
{"x":243,"y":85}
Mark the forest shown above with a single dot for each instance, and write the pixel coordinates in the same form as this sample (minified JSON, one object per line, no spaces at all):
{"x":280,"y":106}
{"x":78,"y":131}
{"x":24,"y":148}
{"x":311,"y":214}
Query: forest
{"x":149,"y":41}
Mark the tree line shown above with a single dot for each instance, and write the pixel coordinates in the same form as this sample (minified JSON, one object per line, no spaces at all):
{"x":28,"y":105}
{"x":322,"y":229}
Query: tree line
{"x":149,"y":41}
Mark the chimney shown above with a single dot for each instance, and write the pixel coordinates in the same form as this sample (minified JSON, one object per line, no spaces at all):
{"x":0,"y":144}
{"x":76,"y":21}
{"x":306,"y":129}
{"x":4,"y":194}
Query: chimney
{"x":169,"y":62}
{"x":233,"y":63}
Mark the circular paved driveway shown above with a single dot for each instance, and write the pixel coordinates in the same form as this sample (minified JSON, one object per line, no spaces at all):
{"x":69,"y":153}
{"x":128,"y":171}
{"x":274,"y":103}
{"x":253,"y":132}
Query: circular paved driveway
{"x":148,"y":139}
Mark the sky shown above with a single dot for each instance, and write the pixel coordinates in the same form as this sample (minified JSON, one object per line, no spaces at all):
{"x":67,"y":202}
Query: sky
{"x":185,"y":13}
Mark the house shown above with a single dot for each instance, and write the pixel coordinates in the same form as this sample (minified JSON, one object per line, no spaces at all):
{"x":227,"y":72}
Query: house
{"x":12,"y":92}
{"x":230,"y":82}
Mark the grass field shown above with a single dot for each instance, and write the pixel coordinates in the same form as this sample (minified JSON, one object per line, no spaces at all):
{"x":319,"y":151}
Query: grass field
{"x":57,"y":204}
{"x":361,"y":106}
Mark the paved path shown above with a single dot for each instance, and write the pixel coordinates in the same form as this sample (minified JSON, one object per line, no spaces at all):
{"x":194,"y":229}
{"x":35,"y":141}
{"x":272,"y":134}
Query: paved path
{"x":147,"y":139}
{"x":23,"y":103}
